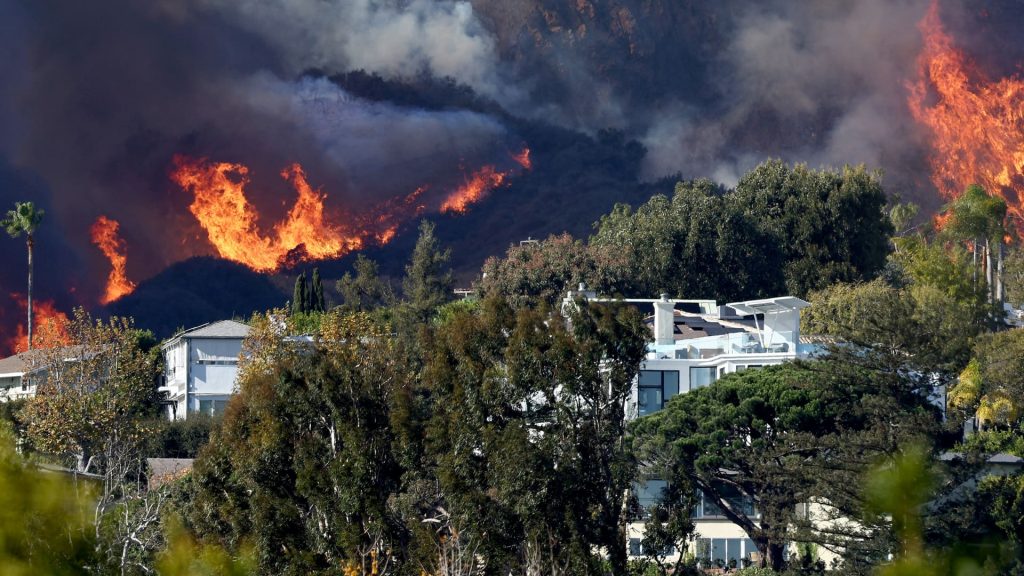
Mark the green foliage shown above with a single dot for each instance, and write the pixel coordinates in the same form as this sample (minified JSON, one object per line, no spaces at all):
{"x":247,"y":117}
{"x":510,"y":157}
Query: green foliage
{"x":23,"y":219}
{"x":900,"y":488}
{"x":992,"y":385}
{"x":87,"y":410}
{"x":784,"y":435}
{"x":317,"y":302}
{"x":514,"y":391}
{"x":310,"y":451}
{"x":977,"y":215}
{"x":1005,"y":441}
{"x":919,"y":325}
{"x":179,"y":438}
{"x":185,"y":556}
{"x":782,"y":229}
{"x":543,"y":271}
{"x":366,"y":290}
{"x":44,"y":520}
{"x":300,"y":295}
{"x":428,"y":280}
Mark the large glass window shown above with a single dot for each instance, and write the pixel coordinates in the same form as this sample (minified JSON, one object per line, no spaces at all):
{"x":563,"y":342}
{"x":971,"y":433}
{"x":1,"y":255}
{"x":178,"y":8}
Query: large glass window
{"x":649,"y":493}
{"x":708,"y":508}
{"x":702,"y":376}
{"x":733,"y":552}
{"x":655,"y":387}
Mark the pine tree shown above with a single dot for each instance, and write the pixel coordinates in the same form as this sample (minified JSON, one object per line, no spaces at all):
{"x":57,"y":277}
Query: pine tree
{"x":300,"y":295}
{"x":318,"y":304}
{"x":428,"y":280}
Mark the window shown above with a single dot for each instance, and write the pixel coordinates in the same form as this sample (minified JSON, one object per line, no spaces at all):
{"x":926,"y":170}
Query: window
{"x":656,"y":386}
{"x":707,"y":508}
{"x":733,"y":552}
{"x":648,"y":493}
{"x":702,"y":376}
{"x":212,"y":407}
{"x":636,"y":548}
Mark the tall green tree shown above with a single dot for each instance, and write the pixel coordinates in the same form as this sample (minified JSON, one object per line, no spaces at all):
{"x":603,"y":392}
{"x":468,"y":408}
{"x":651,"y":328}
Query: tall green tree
{"x":310,"y":453}
{"x":526,"y":432}
{"x":317,"y":302}
{"x":366,"y":290}
{"x":300,"y":295}
{"x":784,"y":228}
{"x":543,"y":271}
{"x":24,"y":220}
{"x":428,"y":278}
{"x":979,"y":218}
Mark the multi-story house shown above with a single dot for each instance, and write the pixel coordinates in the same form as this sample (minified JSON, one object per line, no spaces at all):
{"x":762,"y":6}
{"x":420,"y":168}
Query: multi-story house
{"x":696,"y":342}
{"x":201,"y":367}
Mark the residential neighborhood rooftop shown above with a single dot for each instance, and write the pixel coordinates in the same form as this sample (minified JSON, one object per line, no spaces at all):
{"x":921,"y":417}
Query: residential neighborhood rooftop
{"x":219,"y":329}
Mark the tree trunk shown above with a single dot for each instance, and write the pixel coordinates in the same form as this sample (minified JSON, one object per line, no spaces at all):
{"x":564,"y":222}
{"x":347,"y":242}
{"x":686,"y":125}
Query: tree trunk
{"x":989,"y":280}
{"x":974,"y":261}
{"x":1000,"y":290}
{"x":30,"y":243}
{"x":776,"y":556}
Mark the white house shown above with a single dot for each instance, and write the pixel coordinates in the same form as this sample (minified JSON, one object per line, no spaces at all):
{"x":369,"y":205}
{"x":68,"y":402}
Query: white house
{"x":695,"y":343}
{"x":14,"y":383}
{"x":200,"y":368}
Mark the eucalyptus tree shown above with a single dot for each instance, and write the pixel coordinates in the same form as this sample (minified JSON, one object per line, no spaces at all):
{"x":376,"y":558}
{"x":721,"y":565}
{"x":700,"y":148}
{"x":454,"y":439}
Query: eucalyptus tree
{"x":24,"y":220}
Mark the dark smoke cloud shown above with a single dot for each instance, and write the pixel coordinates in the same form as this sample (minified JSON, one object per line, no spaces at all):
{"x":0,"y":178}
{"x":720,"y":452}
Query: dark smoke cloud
{"x":102,"y":95}
{"x":97,"y":97}
{"x":819,"y":82}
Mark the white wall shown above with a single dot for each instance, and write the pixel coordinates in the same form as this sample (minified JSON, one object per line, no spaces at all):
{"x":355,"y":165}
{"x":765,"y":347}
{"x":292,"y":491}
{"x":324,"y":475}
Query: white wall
{"x":214,"y":365}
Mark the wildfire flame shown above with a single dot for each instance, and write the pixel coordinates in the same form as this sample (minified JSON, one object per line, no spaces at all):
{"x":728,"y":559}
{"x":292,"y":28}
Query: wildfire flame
{"x":977,"y":124}
{"x":523,"y":159}
{"x":307,"y":232}
{"x":480,"y":183}
{"x":105,"y":236}
{"x":49,"y":324}
{"x":230,"y":221}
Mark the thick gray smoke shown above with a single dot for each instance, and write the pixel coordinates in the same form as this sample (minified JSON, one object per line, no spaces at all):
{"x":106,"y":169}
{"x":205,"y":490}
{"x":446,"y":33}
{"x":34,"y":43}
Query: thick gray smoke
{"x":820,"y":82}
{"x":97,"y":97}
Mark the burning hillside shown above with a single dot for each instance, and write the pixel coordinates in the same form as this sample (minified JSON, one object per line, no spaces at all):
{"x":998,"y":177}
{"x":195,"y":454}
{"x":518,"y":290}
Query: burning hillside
{"x":309,"y":232}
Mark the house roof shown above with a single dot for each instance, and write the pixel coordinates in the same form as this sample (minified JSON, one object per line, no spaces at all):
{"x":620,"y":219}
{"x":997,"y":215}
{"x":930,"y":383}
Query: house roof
{"x":13,"y":365}
{"x":219,"y":329}
{"x":769,"y":305}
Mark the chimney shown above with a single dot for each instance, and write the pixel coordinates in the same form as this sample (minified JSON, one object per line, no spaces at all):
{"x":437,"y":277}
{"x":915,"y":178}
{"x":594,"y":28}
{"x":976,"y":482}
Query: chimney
{"x":664,"y":321}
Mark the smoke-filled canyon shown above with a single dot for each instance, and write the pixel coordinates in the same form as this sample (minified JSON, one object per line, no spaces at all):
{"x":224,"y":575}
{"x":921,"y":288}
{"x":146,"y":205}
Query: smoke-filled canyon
{"x":269,"y":134}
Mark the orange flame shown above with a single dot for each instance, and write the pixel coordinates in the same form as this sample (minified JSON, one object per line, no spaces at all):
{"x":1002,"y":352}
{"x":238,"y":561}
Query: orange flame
{"x":105,"y":236}
{"x":307,"y":232}
{"x":941,"y":220}
{"x":482,"y":181}
{"x":49,"y":323}
{"x":523,"y":159}
{"x":230,"y":221}
{"x":977,"y":124}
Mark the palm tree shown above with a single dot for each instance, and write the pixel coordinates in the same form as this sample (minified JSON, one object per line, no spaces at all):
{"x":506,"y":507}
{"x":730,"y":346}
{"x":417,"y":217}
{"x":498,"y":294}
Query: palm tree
{"x":24,"y":219}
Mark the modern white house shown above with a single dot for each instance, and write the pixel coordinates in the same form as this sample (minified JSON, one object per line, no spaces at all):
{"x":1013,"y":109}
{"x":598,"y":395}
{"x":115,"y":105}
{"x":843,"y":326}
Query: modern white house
{"x":201,"y":368}
{"x":696,"y":342}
